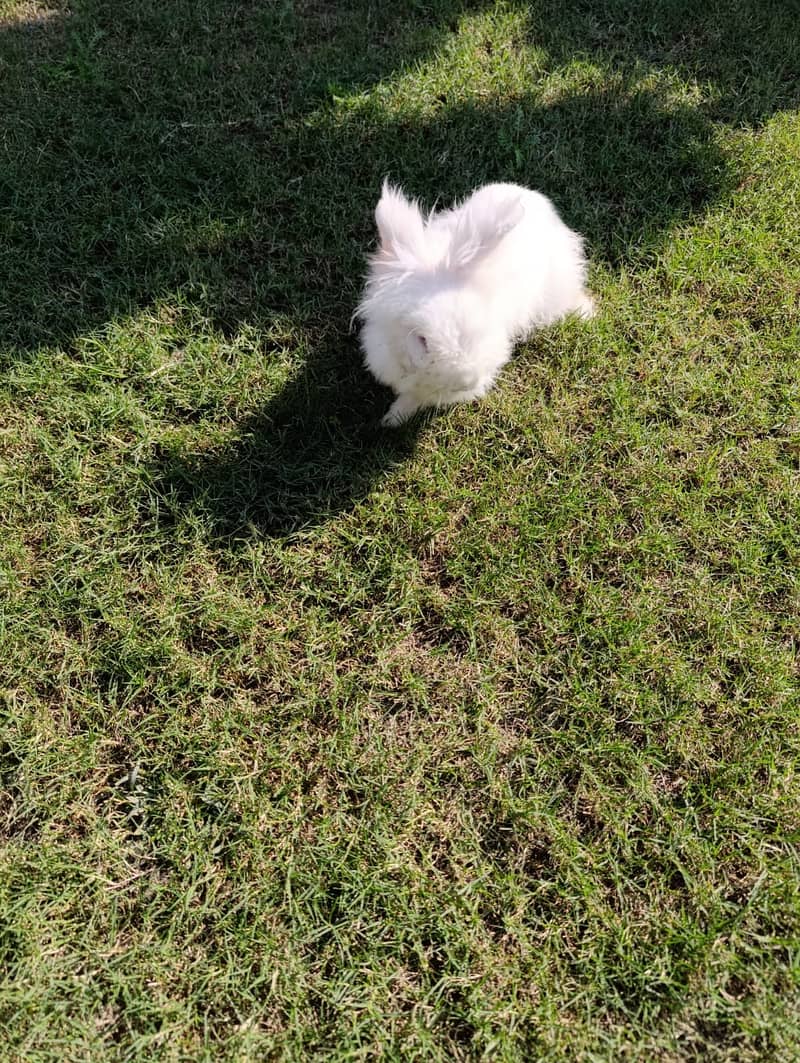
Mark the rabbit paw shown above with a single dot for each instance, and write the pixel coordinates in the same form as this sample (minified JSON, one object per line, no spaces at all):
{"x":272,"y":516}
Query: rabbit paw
{"x":400,"y":410}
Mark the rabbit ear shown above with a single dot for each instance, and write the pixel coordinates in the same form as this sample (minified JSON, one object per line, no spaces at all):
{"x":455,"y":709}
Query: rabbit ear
{"x":481,"y":228}
{"x":400,"y":226}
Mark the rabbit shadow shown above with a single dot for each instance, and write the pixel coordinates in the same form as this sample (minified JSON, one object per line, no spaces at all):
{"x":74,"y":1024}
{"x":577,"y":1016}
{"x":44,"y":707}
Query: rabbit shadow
{"x":315,"y":449}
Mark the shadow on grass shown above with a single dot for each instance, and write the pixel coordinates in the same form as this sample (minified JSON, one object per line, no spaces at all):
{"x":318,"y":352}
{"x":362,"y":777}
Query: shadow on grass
{"x":222,"y":154}
{"x":315,"y":448}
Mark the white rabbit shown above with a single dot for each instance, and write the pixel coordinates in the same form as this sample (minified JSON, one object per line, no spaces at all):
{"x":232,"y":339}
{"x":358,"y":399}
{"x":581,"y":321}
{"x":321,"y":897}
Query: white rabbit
{"x":448,"y":296}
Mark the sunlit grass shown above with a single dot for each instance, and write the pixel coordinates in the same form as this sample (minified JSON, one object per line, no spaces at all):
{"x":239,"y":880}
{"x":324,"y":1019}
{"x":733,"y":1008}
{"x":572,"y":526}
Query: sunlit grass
{"x":474,"y":741}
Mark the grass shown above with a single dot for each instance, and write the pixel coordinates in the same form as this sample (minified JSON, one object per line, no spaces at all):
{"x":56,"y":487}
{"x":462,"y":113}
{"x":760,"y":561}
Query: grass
{"x":474,"y":741}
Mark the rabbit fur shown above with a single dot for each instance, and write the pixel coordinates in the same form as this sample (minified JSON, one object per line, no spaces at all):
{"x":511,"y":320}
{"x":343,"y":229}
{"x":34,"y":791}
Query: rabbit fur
{"x":447,"y":296}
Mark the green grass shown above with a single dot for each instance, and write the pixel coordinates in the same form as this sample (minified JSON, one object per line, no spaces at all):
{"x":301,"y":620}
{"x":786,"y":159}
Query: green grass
{"x":473,"y":741}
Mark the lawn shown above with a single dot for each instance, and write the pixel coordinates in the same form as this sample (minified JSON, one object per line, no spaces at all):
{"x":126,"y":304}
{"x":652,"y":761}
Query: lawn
{"x":476,"y":740}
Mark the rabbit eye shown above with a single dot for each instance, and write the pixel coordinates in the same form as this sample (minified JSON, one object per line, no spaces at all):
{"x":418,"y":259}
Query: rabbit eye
{"x":423,"y":341}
